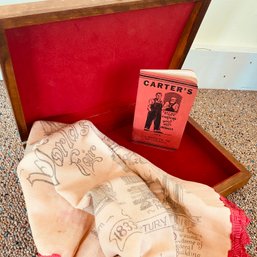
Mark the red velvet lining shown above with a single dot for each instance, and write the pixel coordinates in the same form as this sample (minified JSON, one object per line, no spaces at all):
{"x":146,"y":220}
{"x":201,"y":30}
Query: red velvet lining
{"x":196,"y":159}
{"x":91,"y":63}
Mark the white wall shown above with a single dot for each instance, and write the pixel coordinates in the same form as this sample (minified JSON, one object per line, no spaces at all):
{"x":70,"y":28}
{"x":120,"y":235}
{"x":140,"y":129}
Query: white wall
{"x":224,"y":52}
{"x":6,"y":2}
{"x":229,"y":24}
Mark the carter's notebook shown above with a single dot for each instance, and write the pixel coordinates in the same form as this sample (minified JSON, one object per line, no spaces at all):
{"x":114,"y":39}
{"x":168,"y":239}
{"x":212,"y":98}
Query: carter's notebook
{"x":164,"y":101}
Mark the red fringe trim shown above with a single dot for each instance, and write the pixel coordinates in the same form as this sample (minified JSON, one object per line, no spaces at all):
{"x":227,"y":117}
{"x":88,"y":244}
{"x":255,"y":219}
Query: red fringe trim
{"x":239,"y":236}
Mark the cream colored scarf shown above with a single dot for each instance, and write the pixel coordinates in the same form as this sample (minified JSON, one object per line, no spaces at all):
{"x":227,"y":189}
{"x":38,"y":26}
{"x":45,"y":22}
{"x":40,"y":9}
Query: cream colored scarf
{"x":87,"y":196}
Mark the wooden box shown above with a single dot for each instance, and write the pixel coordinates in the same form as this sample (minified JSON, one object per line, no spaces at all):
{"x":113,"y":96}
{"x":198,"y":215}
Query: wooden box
{"x":70,"y":60}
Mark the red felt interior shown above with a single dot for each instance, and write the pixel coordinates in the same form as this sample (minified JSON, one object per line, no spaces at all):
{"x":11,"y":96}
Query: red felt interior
{"x":91,"y":64}
{"x":196,"y":159}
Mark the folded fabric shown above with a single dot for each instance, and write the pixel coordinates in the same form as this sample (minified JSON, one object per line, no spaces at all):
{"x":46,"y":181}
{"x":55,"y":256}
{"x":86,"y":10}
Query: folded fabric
{"x":87,"y":196}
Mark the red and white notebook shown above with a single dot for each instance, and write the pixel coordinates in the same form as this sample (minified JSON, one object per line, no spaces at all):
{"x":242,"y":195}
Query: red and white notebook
{"x":164,"y":101}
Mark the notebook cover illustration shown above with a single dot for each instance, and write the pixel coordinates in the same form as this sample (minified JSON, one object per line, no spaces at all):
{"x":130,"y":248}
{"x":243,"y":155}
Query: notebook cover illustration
{"x":164,"y":101}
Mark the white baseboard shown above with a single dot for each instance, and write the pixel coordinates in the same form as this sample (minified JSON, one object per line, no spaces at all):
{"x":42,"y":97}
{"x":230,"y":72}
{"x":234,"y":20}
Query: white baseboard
{"x":224,"y":68}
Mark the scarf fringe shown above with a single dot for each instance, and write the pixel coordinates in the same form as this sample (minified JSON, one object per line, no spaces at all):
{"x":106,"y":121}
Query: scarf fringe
{"x":239,"y":236}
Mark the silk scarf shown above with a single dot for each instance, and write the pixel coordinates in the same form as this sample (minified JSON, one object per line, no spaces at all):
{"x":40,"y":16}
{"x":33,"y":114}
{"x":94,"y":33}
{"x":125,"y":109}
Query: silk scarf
{"x":87,"y":196}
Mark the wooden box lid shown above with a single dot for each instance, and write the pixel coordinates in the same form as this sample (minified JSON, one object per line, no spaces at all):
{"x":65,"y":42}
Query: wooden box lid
{"x":66,"y":60}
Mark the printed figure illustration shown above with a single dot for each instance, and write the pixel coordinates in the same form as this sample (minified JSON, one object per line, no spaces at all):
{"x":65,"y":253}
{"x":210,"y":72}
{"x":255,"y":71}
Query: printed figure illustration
{"x":154,"y":113}
{"x":172,"y":102}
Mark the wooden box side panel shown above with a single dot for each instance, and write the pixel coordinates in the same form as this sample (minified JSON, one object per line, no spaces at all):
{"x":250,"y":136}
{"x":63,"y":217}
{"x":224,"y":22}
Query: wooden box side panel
{"x":237,"y":174}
